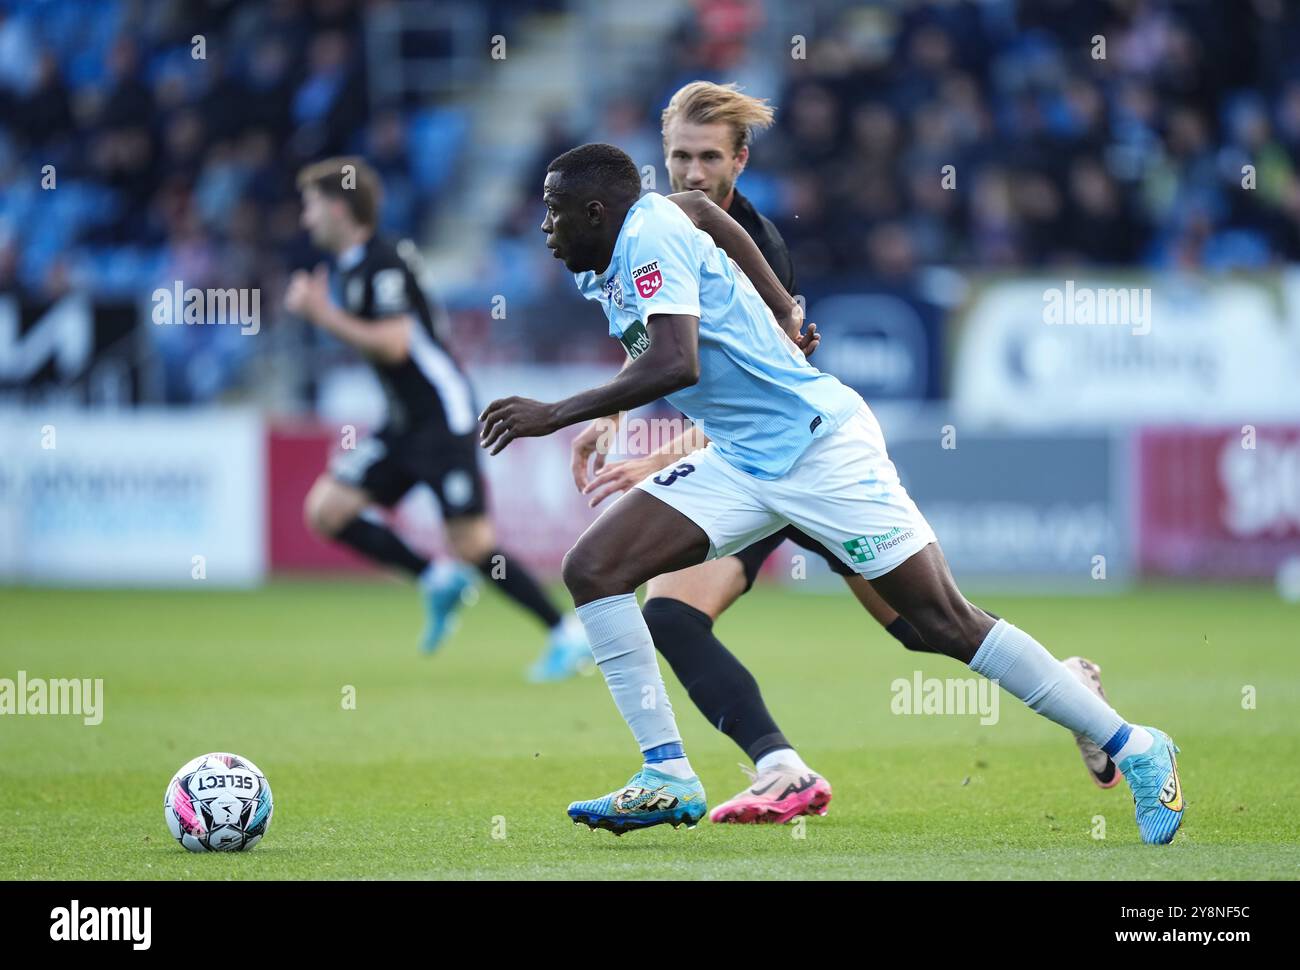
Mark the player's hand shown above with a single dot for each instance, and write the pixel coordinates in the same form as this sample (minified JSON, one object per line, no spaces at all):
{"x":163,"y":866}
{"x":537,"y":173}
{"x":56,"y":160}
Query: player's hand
{"x":308,"y":293}
{"x":619,"y":476}
{"x":594,"y":439}
{"x":792,"y":322}
{"x":809,"y":340}
{"x":509,"y":418}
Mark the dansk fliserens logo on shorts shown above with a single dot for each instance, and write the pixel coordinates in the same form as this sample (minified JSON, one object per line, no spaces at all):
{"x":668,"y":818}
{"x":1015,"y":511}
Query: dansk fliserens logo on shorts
{"x":75,"y":923}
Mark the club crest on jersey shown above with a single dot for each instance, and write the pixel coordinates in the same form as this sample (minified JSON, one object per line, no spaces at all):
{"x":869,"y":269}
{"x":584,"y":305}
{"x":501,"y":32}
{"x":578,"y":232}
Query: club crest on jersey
{"x":647,"y":279}
{"x":614,"y":292}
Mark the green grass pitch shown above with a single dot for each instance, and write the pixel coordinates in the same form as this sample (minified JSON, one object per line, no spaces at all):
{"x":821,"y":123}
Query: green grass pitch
{"x":453,"y":767}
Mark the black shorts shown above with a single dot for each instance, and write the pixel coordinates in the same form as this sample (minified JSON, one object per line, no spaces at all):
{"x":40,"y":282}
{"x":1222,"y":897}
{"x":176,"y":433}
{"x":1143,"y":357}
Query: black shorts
{"x":389,"y":465}
{"x":753,"y":557}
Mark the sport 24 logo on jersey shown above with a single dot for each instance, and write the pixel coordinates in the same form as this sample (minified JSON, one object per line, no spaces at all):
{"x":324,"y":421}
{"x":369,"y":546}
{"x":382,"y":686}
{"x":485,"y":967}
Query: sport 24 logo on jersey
{"x":647,"y":279}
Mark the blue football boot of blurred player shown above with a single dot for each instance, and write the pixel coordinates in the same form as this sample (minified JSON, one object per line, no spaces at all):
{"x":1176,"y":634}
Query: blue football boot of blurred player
{"x":446,"y":586}
{"x":565,"y":655}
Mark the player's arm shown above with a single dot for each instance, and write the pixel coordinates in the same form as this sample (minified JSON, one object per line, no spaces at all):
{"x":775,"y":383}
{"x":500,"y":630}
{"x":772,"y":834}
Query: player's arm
{"x":387,"y":339}
{"x":594,"y":439}
{"x":619,"y":476}
{"x":732,"y":239}
{"x":670,"y":363}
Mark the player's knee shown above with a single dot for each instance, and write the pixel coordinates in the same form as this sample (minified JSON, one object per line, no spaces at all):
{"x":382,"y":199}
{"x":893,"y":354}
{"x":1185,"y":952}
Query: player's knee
{"x":471,"y":538}
{"x":314,"y":514}
{"x":323,"y":514}
{"x":578,"y":576}
{"x":710,"y":588}
{"x":589,"y":576}
{"x":326,"y":522}
{"x":572,"y":573}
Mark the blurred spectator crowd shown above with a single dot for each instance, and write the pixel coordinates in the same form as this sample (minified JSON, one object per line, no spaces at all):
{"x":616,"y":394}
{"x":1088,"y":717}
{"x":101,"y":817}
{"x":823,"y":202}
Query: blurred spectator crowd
{"x":1059,"y":155}
{"x":171,"y":166}
{"x":174,"y":130}
{"x":148,"y":141}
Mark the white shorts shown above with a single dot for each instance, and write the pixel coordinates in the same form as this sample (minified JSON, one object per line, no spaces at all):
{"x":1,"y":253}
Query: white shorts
{"x":843,"y":491}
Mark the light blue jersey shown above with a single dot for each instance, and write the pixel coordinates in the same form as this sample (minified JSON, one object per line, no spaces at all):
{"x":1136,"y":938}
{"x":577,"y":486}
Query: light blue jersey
{"x":758,"y":399}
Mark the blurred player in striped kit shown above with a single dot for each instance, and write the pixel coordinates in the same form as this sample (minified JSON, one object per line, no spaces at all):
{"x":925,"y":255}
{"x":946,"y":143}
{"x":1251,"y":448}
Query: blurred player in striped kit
{"x":377,"y":307}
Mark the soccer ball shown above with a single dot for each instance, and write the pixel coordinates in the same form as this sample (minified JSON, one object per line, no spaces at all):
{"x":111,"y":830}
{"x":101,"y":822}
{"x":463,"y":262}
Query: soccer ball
{"x":218,"y":803}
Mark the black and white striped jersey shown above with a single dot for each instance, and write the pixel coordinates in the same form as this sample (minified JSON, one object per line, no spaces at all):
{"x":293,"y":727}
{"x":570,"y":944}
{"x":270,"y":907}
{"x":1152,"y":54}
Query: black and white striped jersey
{"x":377,"y":282}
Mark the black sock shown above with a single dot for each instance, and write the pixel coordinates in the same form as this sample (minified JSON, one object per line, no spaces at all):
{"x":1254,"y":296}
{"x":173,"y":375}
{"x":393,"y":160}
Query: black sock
{"x":518,"y":583}
{"x":906,"y":634}
{"x":725,"y":692}
{"x":381,"y":544}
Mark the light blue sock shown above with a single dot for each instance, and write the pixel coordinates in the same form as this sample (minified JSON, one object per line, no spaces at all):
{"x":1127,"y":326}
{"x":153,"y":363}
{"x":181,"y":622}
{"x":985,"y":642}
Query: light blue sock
{"x":625,"y":653}
{"x":1023,"y":667}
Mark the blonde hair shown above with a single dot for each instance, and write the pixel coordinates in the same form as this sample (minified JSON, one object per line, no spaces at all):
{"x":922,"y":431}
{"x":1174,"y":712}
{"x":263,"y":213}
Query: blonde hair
{"x":706,"y":103}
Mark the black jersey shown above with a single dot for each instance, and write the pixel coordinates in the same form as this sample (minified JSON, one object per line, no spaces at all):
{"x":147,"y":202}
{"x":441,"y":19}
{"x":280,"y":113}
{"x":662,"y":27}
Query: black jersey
{"x":427,"y":388}
{"x":765,"y":235}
